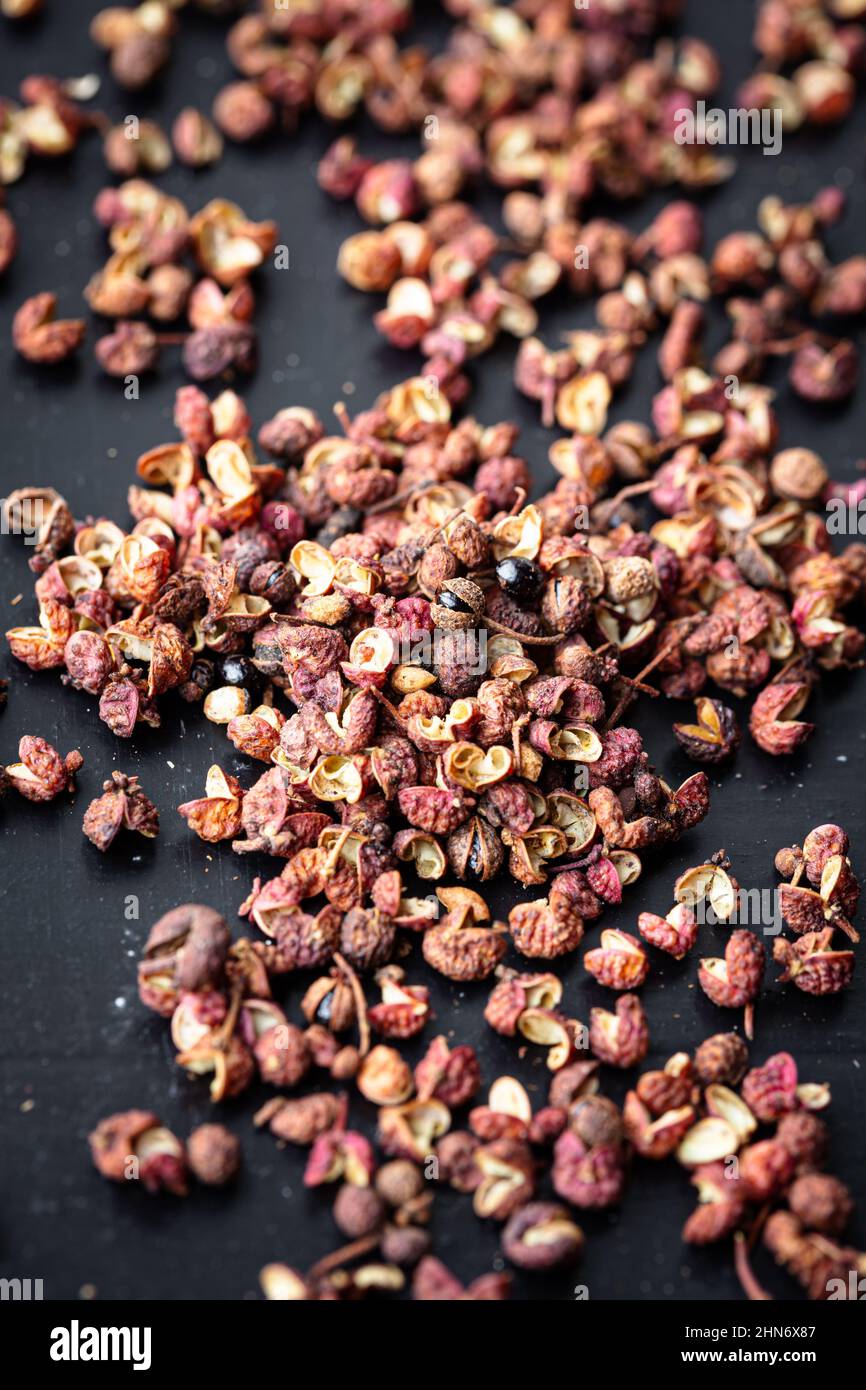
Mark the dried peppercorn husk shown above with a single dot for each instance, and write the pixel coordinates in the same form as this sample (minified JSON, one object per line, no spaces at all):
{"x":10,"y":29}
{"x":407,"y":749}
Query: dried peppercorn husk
{"x":122,"y":806}
{"x":715,"y":735}
{"x":821,"y":1266}
{"x":140,"y":148}
{"x":134,"y":1145}
{"x":44,"y":516}
{"x":41,"y":337}
{"x":186,"y":952}
{"x":735,"y":981}
{"x":622,"y":1038}
{"x":812,"y":963}
{"x":721,"y":1209}
{"x":20,"y":9}
{"x":196,"y":140}
{"x":217,"y":815}
{"x":721,"y":1058}
{"x":41,"y":773}
{"x":587,"y":1173}
{"x":433,"y":1282}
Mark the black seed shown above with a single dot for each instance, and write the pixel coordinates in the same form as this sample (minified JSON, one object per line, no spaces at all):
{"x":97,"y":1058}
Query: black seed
{"x":202,"y":675}
{"x":452,"y":602}
{"x":475,"y":863}
{"x":519,"y":579}
{"x":238,"y":670}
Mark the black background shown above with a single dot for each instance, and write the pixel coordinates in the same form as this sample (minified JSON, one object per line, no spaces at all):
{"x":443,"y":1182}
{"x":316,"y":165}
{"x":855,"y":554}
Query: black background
{"x":75,"y":1042}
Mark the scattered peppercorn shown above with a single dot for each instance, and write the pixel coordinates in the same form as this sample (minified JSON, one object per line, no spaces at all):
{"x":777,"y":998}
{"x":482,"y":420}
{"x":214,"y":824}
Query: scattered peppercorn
{"x":214,"y":1155}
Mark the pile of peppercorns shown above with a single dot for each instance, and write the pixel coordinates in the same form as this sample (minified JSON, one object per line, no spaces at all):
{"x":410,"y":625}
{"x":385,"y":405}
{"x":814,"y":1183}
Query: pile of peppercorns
{"x":217,"y":593}
{"x":377,"y":786}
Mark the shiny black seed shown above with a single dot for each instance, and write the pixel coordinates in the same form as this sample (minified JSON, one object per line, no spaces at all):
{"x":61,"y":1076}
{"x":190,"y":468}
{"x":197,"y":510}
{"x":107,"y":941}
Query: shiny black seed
{"x":475,"y":862}
{"x":238,"y":670}
{"x":452,"y":602}
{"x":519,"y":579}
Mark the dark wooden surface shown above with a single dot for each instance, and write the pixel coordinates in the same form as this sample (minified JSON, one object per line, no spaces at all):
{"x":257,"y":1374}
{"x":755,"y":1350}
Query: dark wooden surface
{"x":75,"y":1042}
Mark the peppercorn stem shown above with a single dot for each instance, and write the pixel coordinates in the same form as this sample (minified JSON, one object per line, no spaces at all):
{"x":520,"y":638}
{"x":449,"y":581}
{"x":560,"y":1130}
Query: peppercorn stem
{"x":343,"y":415}
{"x":635,"y":686}
{"x":780,"y":347}
{"x":416,"y":1211}
{"x":385,"y":506}
{"x":631,"y":490}
{"x":360,"y":1003}
{"x":222,"y":1035}
{"x":452,"y":516}
{"x":841,"y":921}
{"x":344,"y":1255}
{"x":331,"y":861}
{"x":305,"y":621}
{"x":518,"y":724}
{"x":522,"y":636}
{"x":384,"y":701}
{"x":751,"y":1288}
{"x":657,"y":659}
{"x":636,"y":682}
{"x":749,"y":1021}
{"x":769,"y":523}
